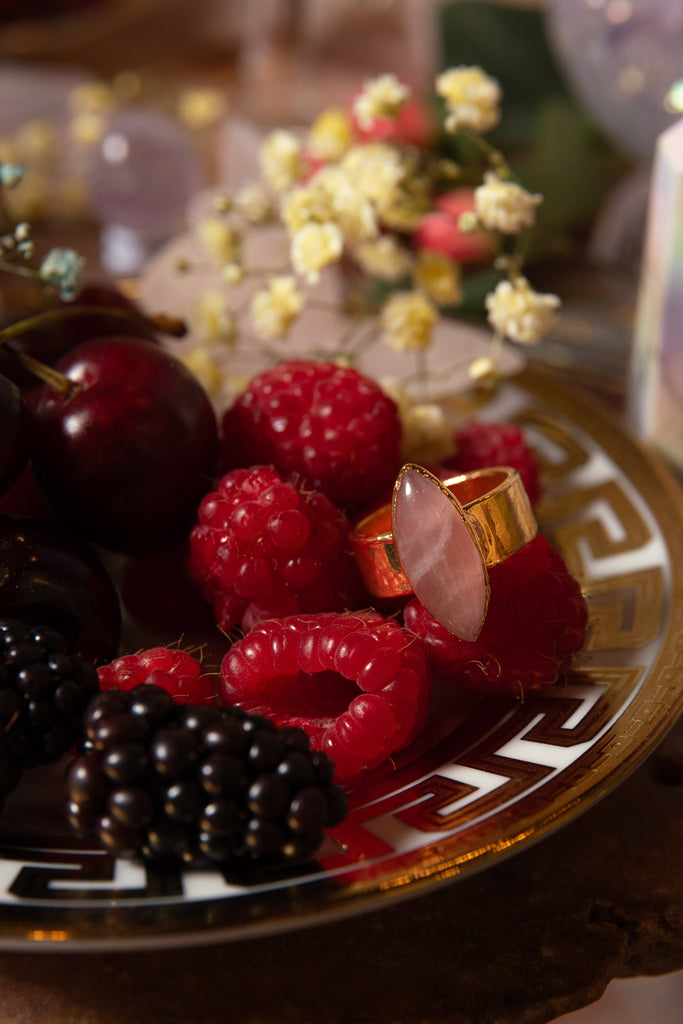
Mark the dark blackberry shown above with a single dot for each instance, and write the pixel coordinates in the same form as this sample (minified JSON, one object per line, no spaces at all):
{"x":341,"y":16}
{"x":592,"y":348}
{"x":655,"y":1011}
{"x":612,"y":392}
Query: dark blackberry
{"x":189,"y":784}
{"x":43,"y":692}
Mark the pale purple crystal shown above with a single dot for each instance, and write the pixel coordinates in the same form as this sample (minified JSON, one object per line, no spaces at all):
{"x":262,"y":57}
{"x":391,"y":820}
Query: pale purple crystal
{"x":144,"y":174}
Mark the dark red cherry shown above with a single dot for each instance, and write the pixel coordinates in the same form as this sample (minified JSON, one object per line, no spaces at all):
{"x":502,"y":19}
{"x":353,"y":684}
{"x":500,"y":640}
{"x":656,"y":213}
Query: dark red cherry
{"x":52,"y":340}
{"x":47,"y":576}
{"x":125,"y":457}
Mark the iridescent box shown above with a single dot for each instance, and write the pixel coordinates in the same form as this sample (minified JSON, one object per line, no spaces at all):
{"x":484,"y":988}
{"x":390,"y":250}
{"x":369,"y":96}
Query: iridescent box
{"x":656,"y":395}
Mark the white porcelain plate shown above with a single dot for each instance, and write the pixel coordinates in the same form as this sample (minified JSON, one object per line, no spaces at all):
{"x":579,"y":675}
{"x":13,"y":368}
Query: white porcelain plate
{"x":488,"y":777}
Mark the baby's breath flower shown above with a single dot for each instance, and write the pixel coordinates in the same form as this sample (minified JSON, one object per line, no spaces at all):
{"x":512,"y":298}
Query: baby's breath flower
{"x":211,"y":321}
{"x":37,"y":141}
{"x":484,"y":370}
{"x":233,"y":273}
{"x":11,"y":175}
{"x":219,"y":240}
{"x":205,"y":368}
{"x":330,"y":135}
{"x":62,"y":269}
{"x":314,"y":247}
{"x":438,"y":277}
{"x":222,"y":203}
{"x":88,"y":127}
{"x":92,"y":97}
{"x":380,"y":97}
{"x":24,"y":242}
{"x":472,"y":98}
{"x":517,"y":312}
{"x":385,"y":258}
{"x":345,"y":204}
{"x":377,"y":170}
{"x":304,"y":205}
{"x":281,"y":160}
{"x":199,"y":108}
{"x":468,"y":222}
{"x":253,"y":204}
{"x":504,"y":206}
{"x":407,"y":319}
{"x":274,"y":309}
{"x":427,"y":435}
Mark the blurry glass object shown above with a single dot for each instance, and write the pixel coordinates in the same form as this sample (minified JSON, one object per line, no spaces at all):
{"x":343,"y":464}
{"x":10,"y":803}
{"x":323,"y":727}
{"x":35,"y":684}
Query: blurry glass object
{"x":625,"y":60}
{"x":656,"y":398}
{"x":142,"y":177}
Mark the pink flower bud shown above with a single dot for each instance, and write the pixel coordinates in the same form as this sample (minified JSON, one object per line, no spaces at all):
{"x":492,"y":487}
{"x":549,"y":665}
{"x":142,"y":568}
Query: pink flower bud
{"x":439,"y":229}
{"x":412,"y":126}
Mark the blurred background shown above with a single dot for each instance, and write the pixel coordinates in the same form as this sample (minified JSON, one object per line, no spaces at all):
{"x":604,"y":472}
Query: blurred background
{"x":124,"y":109}
{"x":588,"y":86}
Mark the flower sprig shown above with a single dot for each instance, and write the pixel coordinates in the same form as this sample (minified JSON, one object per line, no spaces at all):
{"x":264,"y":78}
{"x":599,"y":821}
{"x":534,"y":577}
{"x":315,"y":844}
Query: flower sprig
{"x":58,"y":277}
{"x":367,"y":188}
{"x":60,"y":270}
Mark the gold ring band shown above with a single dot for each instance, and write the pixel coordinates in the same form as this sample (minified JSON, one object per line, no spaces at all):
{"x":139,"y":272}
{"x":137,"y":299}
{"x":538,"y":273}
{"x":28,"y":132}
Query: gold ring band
{"x":418,"y":542}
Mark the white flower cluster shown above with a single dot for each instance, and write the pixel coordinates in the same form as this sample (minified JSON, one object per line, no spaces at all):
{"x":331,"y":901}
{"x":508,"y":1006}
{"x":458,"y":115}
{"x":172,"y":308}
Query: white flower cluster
{"x":338,"y":191}
{"x":517,"y":312}
{"x":472,"y":99}
{"x":381,"y":97}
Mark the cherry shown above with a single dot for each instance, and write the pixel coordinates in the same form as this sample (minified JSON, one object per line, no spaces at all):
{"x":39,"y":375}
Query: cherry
{"x":127,"y":452}
{"x":16,"y":429}
{"x":47,"y":576}
{"x":51,"y":341}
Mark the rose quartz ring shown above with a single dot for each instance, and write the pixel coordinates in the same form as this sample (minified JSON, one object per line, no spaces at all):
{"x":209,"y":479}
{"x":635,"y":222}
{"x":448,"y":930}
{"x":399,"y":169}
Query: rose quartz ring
{"x":438,"y":538}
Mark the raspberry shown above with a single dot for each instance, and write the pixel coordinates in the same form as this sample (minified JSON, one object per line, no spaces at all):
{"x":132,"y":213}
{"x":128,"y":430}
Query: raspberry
{"x":175,"y":671}
{"x":328,"y":424}
{"x":480,"y":444}
{"x":43,"y":692}
{"x":186,"y":784}
{"x":264,"y":548}
{"x":357,"y":684}
{"x":535,"y":624}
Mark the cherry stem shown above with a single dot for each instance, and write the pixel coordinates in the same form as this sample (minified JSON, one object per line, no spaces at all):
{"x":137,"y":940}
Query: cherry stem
{"x":59,"y":381}
{"x":160,"y":322}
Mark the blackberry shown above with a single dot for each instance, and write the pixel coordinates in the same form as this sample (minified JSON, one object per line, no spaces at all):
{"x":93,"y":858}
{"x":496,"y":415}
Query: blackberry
{"x":192,"y":784}
{"x":43,"y":692}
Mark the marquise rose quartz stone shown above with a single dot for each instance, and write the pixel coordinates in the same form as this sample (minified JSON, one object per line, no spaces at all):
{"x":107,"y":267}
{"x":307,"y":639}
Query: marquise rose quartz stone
{"x":439,"y":555}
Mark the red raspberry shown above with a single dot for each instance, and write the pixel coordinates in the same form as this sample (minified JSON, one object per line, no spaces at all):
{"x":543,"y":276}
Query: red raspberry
{"x":479,"y":444}
{"x":357,"y":684}
{"x":175,"y":671}
{"x":264,"y":548}
{"x":535,"y":624}
{"x":328,"y":424}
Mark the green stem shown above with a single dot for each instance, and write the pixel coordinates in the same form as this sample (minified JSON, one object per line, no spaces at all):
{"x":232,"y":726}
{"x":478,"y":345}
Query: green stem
{"x":53,"y":377}
{"x":493,"y":155}
{"x":357,"y":338}
{"x":16,"y":268}
{"x":166,"y":324}
{"x":59,"y":381}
